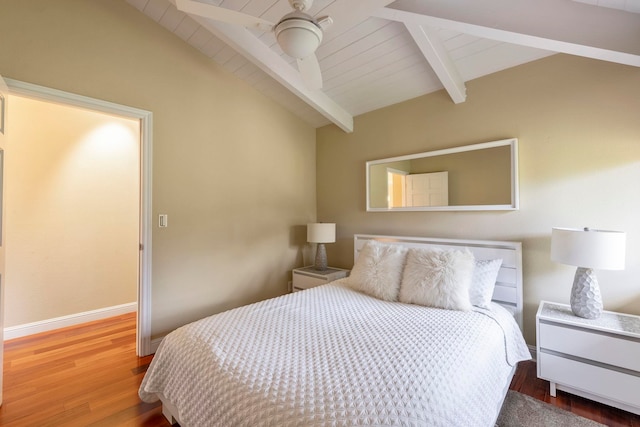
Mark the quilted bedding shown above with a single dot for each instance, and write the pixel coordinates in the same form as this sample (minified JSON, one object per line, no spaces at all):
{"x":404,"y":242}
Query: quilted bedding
{"x":331,"y":356}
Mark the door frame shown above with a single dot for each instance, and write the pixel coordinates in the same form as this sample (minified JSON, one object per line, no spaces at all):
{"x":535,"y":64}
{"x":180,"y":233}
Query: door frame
{"x":143,"y":324}
{"x":390,"y":191}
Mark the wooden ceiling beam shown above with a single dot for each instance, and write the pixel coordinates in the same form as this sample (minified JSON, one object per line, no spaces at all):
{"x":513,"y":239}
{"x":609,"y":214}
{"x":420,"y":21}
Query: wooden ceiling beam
{"x":438,"y":58}
{"x":492,"y":33}
{"x":249,"y":46}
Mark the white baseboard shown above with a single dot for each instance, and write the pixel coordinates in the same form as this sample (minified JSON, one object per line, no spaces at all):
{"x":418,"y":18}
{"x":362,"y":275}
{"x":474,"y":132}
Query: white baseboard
{"x":533,"y":350}
{"x":73,"y":319}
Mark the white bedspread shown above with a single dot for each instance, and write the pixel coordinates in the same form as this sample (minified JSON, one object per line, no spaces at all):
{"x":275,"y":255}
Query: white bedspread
{"x":330,"y":356}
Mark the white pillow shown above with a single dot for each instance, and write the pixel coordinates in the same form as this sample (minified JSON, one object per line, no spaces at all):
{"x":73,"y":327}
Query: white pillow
{"x":485,"y":274}
{"x":378,"y":270}
{"x":437,"y":278}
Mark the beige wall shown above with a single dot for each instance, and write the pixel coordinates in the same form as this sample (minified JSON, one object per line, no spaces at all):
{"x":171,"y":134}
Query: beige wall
{"x":234,"y":171}
{"x":72,"y":198}
{"x":578,"y":125}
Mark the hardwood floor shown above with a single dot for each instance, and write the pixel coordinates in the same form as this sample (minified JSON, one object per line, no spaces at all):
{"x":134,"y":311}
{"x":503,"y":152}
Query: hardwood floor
{"x":88,"y":375}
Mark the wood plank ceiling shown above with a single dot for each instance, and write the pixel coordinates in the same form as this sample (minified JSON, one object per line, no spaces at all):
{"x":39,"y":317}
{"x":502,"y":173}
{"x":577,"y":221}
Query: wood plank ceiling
{"x":404,"y":49}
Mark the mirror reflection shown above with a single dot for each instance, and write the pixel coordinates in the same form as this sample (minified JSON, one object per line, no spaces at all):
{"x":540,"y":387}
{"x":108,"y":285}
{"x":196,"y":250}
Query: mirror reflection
{"x":474,"y":177}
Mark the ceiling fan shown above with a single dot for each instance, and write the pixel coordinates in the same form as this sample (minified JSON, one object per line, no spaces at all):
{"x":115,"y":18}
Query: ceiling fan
{"x":298,"y":33}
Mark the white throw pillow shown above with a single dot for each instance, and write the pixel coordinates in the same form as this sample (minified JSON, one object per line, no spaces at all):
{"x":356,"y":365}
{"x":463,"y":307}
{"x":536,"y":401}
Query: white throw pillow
{"x":437,"y":278}
{"x":485,"y":274}
{"x":378,"y":270}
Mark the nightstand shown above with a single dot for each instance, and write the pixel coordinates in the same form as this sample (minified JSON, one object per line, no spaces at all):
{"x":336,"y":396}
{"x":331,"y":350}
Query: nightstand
{"x":598,"y":359}
{"x":308,"y":277}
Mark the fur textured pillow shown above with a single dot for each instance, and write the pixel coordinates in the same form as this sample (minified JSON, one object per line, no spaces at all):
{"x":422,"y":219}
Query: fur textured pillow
{"x":485,"y":274}
{"x":438,"y":278}
{"x":378,"y":270}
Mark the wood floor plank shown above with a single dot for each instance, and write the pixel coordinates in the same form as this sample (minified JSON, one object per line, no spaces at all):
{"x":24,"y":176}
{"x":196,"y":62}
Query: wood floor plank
{"x":78,"y":376}
{"x":88,"y":375}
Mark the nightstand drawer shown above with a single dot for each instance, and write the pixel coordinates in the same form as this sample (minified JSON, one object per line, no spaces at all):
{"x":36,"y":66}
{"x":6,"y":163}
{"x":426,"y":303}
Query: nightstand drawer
{"x":595,"y":358}
{"x":604,"y":382}
{"x":301,"y":281}
{"x":599,"y":347}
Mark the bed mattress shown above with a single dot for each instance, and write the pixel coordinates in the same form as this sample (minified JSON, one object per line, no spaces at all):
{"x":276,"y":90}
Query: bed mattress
{"x":331,"y":356}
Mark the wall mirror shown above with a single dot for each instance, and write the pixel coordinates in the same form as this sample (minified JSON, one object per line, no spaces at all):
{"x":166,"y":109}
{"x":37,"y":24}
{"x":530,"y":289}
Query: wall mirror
{"x":473,"y":177}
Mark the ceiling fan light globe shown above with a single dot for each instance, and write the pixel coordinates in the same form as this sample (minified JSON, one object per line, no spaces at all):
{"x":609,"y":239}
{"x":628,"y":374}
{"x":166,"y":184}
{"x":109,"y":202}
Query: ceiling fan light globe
{"x":298,"y":38}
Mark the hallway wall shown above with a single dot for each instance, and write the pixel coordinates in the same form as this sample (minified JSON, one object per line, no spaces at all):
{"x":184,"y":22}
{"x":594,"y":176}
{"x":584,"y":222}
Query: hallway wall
{"x":72,"y":211}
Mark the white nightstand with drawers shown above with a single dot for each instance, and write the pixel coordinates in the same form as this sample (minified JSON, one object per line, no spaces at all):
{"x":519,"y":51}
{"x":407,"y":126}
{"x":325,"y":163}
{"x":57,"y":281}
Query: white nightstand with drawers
{"x":598,"y":359}
{"x":308,"y":277}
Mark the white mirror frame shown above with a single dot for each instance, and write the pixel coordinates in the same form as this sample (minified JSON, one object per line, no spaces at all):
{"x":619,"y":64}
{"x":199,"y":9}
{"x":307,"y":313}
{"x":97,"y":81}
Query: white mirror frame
{"x":514,"y":205}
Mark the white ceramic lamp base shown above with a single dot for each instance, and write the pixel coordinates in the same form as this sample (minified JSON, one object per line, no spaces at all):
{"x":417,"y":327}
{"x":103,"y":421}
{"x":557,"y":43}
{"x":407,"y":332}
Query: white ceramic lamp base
{"x":586,"y":300}
{"x":321,"y":258}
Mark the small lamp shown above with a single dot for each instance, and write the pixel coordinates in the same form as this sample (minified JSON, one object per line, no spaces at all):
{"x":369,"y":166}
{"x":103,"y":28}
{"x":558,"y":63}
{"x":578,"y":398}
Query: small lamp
{"x":321,"y":233}
{"x":587,"y":249}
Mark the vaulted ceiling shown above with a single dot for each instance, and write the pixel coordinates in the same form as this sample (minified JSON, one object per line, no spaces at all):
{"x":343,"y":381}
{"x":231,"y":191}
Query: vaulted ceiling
{"x":379,"y":52}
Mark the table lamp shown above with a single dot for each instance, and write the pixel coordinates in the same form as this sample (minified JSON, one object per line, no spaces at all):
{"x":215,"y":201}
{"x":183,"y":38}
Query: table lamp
{"x":321,"y":233}
{"x":587,"y":249}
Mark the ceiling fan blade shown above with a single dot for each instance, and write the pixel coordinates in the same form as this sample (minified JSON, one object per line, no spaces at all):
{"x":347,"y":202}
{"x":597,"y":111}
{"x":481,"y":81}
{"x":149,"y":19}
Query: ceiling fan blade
{"x":325,"y":22}
{"x":222,"y":14}
{"x":349,"y":13}
{"x":310,"y":70}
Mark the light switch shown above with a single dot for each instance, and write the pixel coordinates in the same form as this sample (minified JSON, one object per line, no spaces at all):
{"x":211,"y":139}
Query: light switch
{"x":163,"y":220}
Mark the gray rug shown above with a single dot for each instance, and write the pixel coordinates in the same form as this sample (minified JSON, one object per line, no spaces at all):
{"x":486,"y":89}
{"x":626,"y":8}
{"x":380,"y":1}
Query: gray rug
{"x":520,"y":410}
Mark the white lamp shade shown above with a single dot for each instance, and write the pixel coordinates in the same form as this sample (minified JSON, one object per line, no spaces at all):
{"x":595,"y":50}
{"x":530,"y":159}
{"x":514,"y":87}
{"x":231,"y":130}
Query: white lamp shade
{"x":588,"y":248}
{"x":321,"y":233}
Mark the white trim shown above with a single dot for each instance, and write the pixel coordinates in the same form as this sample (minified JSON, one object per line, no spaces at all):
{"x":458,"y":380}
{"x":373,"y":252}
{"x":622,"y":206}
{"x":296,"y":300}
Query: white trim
{"x":143,"y":335}
{"x":143,"y":342}
{"x":65,"y":321}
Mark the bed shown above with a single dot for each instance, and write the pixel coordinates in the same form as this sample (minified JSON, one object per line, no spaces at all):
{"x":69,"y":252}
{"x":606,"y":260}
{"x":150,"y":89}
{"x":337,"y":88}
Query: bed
{"x":336,"y":355}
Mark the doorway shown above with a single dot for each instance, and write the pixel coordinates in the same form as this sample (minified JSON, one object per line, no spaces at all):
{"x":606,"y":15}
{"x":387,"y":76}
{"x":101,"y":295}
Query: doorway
{"x":396,"y":195}
{"x":95,"y":150}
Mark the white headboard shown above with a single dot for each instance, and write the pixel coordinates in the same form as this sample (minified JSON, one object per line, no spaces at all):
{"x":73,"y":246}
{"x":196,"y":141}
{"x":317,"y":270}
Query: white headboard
{"x":508,"y":290}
